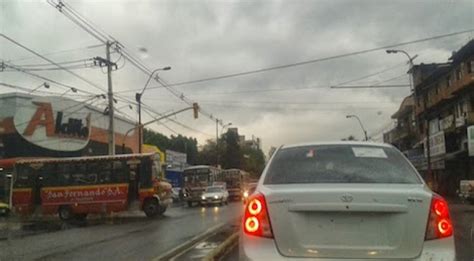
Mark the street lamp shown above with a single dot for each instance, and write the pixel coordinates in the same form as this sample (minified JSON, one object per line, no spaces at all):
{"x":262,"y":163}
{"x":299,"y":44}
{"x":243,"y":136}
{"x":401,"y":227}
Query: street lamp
{"x":410,"y":61}
{"x":138,"y":98}
{"x":225,"y":126}
{"x":45,"y":85}
{"x":361,"y":126}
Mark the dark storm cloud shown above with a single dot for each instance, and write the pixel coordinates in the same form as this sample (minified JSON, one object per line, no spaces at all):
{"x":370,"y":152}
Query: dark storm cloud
{"x":207,"y":38}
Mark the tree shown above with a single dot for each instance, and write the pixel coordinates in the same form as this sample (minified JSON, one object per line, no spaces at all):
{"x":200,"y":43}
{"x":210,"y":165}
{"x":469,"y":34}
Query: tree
{"x":178,"y":143}
{"x":232,"y":153}
{"x":253,"y":160}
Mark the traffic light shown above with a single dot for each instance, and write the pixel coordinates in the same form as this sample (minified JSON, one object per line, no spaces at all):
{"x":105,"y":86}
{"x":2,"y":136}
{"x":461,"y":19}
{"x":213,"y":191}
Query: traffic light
{"x":196,"y":110}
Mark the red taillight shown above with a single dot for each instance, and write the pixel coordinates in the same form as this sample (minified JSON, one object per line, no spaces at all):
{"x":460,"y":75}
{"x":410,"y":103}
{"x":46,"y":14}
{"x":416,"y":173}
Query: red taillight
{"x":439,"y":221}
{"x":256,"y":220}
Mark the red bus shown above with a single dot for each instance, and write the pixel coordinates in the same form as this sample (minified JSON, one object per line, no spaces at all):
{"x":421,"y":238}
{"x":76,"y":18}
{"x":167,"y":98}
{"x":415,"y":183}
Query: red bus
{"x":75,"y":187}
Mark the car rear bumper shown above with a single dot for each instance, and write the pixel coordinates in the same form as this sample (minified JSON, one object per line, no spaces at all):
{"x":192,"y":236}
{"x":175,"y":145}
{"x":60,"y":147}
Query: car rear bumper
{"x":213,"y":201}
{"x":258,"y":248}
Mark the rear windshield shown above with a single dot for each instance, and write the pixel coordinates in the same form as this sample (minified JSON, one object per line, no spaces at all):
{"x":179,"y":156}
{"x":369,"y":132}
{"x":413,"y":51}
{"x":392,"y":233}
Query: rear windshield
{"x":340,"y":164}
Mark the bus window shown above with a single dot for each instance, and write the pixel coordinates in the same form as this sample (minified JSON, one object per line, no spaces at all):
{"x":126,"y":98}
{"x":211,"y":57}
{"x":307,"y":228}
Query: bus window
{"x":49,"y":173}
{"x":23,"y":176}
{"x":80,"y":176}
{"x":146,"y":169}
{"x":120,"y":172}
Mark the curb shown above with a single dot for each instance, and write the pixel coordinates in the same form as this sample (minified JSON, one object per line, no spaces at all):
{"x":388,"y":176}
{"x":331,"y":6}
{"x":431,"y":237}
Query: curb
{"x":176,"y":250}
{"x":223,"y":248}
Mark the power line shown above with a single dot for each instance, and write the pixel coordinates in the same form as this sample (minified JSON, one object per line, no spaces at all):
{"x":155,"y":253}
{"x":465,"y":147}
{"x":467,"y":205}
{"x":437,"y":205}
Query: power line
{"x":370,"y":86}
{"x":45,"y":78}
{"x":283,"y":102}
{"x":56,"y":52}
{"x":28,"y":90}
{"x":299,"y":108}
{"x":73,"y":67}
{"x":371,"y":75}
{"x":52,"y":62}
{"x":317,"y":60}
{"x":49,"y":64}
{"x":103,"y":37}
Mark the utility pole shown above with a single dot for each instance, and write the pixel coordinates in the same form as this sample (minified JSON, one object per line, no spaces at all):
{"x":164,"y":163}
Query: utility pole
{"x":217,"y":142}
{"x":110,"y":95}
{"x":428,"y":153}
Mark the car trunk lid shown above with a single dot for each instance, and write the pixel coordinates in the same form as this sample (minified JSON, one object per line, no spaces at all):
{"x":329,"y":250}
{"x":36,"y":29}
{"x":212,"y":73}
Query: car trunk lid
{"x":348,"y":220}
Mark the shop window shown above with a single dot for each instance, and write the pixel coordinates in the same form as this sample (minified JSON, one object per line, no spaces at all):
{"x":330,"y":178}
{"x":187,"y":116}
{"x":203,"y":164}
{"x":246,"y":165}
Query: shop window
{"x":458,"y":74}
{"x":470,"y":66}
{"x":448,"y":81}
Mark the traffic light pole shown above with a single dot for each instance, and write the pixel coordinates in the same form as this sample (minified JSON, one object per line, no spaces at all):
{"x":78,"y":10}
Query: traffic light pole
{"x":195,"y":108}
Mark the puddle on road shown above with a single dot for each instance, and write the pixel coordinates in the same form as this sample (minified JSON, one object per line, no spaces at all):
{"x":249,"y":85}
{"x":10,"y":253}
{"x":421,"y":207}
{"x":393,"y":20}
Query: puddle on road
{"x":201,"y":249}
{"x":14,"y":227}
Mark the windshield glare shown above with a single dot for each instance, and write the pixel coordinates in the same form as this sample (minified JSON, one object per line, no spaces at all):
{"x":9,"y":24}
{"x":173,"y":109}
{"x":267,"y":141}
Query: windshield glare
{"x":340,"y":164}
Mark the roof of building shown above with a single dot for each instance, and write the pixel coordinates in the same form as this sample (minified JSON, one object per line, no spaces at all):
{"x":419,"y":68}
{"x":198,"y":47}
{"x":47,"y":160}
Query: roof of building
{"x":464,"y":52}
{"x":406,"y":106}
{"x":86,"y":158}
{"x":441,"y":70}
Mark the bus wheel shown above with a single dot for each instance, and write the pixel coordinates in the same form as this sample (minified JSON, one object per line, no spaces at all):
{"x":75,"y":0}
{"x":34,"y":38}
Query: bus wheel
{"x":65,"y":213}
{"x":161,"y":210}
{"x":151,"y":207}
{"x":81,"y":217}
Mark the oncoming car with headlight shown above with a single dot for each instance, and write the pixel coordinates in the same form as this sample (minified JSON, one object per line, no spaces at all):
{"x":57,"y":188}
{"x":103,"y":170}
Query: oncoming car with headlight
{"x":357,"y":200}
{"x":215,"y":195}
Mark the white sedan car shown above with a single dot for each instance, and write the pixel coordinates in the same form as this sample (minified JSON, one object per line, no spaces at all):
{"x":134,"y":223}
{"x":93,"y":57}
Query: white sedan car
{"x":345,"y":200}
{"x":215,"y":195}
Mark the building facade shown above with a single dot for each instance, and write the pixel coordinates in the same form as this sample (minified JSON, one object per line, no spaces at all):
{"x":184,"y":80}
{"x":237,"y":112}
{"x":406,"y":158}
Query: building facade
{"x":432,"y":123}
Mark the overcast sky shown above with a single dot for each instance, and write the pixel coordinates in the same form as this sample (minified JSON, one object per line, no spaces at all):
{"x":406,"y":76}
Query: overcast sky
{"x":201,"y":39}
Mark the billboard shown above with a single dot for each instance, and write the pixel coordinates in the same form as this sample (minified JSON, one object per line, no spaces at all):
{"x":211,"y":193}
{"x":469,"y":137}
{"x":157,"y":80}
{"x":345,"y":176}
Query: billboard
{"x":175,"y":160}
{"x":54,"y":123}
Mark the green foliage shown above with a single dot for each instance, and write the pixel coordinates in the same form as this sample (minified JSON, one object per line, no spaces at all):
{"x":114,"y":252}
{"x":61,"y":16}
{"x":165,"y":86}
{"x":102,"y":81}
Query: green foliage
{"x":177,"y":143}
{"x":231,"y":153}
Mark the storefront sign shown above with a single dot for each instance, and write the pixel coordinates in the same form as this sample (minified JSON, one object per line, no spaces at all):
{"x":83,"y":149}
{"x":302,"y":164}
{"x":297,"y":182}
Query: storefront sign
{"x":446,"y":122}
{"x":470,"y":140}
{"x":437,"y":144}
{"x":460,"y":121}
{"x":54,"y":123}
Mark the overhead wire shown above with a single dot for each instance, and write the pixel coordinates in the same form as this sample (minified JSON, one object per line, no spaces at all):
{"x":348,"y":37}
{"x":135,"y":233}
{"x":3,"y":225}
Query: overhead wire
{"x":316,"y":60}
{"x":52,"y":62}
{"x":44,"y":78}
{"x":56,"y":52}
{"x":102,"y":36}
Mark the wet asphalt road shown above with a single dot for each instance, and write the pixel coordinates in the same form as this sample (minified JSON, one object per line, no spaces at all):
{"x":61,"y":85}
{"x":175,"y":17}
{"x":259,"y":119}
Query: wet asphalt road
{"x":129,"y":237}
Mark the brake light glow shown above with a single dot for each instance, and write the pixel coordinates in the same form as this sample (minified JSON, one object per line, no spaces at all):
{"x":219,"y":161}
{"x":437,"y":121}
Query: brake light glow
{"x":255,"y":207}
{"x":439,"y":221}
{"x":256,"y":220}
{"x":252,"y":224}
